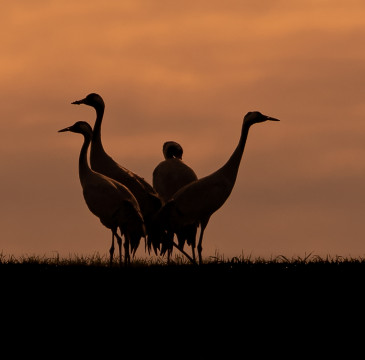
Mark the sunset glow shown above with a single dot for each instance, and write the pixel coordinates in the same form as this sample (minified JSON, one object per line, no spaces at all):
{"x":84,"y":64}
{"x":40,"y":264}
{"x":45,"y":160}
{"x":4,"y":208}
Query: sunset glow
{"x":189,"y":72}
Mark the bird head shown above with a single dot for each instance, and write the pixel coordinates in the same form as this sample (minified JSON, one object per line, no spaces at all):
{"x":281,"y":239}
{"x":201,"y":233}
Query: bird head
{"x":94,"y":100}
{"x":172,"y":149}
{"x":80,"y":127}
{"x":253,"y":117}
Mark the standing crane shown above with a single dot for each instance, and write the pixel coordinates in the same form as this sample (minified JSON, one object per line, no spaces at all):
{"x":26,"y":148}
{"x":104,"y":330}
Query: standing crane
{"x":101,"y":162}
{"x":109,"y":200}
{"x":196,"y":202}
{"x":168,"y":177}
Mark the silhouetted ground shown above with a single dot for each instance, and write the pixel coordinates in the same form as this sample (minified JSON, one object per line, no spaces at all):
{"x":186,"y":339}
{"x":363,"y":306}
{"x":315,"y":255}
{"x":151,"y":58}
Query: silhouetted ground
{"x":242,"y":278}
{"x":276,"y":302}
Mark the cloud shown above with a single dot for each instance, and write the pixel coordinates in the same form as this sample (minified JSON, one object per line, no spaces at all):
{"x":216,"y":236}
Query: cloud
{"x":187,"y":72}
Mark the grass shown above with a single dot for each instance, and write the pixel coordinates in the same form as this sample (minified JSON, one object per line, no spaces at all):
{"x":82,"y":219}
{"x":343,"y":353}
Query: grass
{"x":310,"y":274}
{"x":298,"y":289}
{"x":97,"y":259}
{"x":244,"y":265}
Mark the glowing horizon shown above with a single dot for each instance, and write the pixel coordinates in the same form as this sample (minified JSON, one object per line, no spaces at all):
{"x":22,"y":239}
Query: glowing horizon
{"x":188,"y":72}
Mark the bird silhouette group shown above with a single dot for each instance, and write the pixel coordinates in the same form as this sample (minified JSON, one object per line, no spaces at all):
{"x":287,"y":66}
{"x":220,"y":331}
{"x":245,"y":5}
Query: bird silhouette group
{"x":177,"y":203}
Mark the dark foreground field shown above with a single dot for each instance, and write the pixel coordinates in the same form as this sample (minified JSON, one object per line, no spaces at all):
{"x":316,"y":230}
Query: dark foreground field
{"x":245,"y":277}
{"x":309,"y":301}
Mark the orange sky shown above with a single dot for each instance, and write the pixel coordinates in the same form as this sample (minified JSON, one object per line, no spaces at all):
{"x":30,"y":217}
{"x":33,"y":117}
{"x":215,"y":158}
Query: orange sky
{"x":188,"y":71}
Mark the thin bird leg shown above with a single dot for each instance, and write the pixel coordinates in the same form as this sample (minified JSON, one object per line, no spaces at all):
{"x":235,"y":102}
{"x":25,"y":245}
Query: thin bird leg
{"x":192,"y":243}
{"x":111,"y":250}
{"x":170,"y":241}
{"x":168,"y":256}
{"x":119,"y":240}
{"x":183,"y":252}
{"x":126,"y":250}
{"x":203,"y":225}
{"x":193,"y":251}
{"x":199,"y":247}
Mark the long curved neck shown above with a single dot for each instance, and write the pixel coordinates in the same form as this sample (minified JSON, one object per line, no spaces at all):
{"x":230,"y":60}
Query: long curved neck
{"x":84,"y":169}
{"x":96,"y":139}
{"x":230,"y":168}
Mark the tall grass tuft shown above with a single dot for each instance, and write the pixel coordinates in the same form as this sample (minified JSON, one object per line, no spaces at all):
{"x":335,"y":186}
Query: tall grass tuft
{"x":98,"y":260}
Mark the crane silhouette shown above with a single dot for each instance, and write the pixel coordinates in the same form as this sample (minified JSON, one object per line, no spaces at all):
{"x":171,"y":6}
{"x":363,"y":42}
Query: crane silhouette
{"x":109,"y":200}
{"x":101,"y":162}
{"x":196,"y":202}
{"x":168,"y":177}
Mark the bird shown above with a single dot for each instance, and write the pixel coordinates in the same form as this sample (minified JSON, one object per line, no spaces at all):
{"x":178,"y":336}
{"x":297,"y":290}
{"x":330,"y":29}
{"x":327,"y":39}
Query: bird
{"x":196,"y":202}
{"x":100,"y":161}
{"x":112,"y":202}
{"x":172,"y":173}
{"x":167,"y":178}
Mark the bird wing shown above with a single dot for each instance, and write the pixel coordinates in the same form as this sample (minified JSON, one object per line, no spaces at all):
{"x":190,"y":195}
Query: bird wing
{"x":146,"y":196}
{"x":129,"y":210}
{"x":115,"y":206}
{"x":101,"y":199}
{"x":202,"y":198}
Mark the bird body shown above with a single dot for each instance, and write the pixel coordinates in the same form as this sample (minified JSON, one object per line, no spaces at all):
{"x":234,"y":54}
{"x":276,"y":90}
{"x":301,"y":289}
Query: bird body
{"x":171,"y":174}
{"x":101,"y":162}
{"x":109,"y":200}
{"x":196,"y":202}
{"x":168,"y":177}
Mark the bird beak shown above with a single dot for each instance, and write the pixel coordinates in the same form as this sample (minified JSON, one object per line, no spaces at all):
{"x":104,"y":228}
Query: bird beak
{"x":78,"y":102}
{"x":65,"y":129}
{"x":271,"y":118}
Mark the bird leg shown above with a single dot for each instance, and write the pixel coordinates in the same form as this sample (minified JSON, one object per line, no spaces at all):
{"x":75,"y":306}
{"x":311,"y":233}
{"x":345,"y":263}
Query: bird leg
{"x":170,"y":241}
{"x":111,"y":250}
{"x":199,"y":247}
{"x":127,"y":258}
{"x":183,"y":252}
{"x":189,"y":236}
{"x":119,"y":240}
{"x":193,"y":252}
{"x":203,"y":225}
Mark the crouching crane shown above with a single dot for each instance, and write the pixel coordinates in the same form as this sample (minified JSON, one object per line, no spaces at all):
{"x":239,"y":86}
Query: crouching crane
{"x":168,"y":177}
